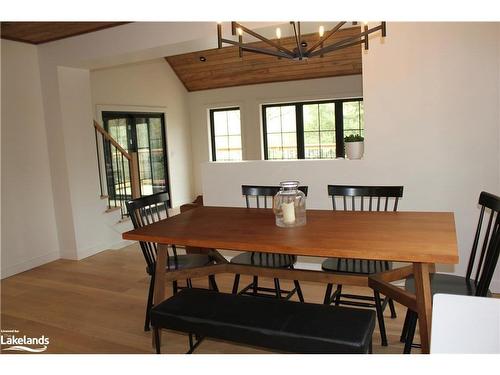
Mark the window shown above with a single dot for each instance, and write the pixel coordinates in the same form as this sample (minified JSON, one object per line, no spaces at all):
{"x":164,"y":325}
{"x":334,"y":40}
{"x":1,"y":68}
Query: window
{"x":143,"y":133}
{"x":225,"y":129}
{"x":310,"y":130}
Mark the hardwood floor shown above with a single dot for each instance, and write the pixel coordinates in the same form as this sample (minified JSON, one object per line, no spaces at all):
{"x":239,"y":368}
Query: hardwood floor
{"x":97,"y":305}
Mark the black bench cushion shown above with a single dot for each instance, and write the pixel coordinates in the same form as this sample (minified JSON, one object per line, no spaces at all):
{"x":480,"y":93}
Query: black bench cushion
{"x":272,"y":323}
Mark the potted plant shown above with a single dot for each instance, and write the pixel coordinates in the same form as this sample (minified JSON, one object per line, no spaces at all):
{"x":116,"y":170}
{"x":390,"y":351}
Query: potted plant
{"x":354,"y":146}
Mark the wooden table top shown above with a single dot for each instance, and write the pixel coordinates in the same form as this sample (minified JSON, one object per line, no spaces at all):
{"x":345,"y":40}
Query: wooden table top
{"x":427,"y":237}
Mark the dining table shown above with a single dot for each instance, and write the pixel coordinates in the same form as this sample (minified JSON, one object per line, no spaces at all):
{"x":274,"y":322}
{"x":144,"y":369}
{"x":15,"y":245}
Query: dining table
{"x":419,"y":239}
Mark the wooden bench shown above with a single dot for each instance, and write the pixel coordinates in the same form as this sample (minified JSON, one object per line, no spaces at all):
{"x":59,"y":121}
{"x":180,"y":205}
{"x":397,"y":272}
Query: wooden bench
{"x":266,"y":322}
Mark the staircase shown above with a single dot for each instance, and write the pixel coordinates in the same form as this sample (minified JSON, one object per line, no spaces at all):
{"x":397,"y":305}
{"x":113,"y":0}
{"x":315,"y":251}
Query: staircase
{"x":118,"y":172}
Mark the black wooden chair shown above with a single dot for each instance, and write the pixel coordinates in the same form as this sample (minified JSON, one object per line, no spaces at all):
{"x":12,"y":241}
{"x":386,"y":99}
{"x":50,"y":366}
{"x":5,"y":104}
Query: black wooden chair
{"x":150,"y":209}
{"x":362,"y":198}
{"x":262,"y":196}
{"x":489,"y":238}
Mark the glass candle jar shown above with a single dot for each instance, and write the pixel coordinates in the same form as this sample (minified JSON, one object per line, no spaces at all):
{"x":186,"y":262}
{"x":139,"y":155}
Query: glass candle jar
{"x":289,"y":205}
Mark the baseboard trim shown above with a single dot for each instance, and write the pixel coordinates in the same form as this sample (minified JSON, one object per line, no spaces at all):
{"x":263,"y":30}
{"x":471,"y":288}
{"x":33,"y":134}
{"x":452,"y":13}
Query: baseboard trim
{"x":29,"y":264}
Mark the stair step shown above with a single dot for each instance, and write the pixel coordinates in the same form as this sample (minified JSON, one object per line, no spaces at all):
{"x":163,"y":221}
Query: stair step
{"x":112,"y":209}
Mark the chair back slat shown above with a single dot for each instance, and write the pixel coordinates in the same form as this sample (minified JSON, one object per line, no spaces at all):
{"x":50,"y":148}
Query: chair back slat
{"x":146,"y":211}
{"x":266,"y":193}
{"x":488,"y":240}
{"x":490,"y":263}
{"x":483,"y":249}
{"x":383,"y":195}
{"x":470,"y":265}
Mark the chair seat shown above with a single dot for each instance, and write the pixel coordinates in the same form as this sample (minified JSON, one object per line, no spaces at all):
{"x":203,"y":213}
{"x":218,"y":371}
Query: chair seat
{"x":265,"y":260}
{"x":358,"y":266}
{"x":447,"y":284}
{"x":184,"y":261}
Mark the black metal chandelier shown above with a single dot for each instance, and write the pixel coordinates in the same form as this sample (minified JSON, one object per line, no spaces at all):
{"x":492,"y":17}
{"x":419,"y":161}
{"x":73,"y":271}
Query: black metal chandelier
{"x":300,"y":52}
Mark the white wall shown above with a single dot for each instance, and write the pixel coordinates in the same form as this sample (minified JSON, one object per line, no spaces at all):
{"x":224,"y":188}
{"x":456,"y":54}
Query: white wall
{"x":152,"y":84}
{"x":29,"y":233}
{"x":94,"y":229}
{"x":124,"y":44}
{"x":249,"y":99}
{"x":431,"y":94}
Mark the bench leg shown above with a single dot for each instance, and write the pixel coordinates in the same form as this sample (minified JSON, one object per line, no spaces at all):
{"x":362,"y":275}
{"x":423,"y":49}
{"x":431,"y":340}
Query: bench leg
{"x":157,"y":339}
{"x":380,"y":317}
{"x":193,"y":345}
{"x":236,"y":283}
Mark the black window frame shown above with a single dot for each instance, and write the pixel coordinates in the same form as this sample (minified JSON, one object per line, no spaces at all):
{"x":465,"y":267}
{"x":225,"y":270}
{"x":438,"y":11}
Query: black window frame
{"x":132,"y":146}
{"x":212,"y":129}
{"x":299,"y":121}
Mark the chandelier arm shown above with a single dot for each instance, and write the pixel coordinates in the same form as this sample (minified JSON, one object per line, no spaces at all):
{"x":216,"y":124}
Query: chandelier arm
{"x":342,"y":46}
{"x":333,"y":47}
{"x":264,"y":39}
{"x":257,"y":49}
{"x":326,"y":36}
{"x":299,"y":49}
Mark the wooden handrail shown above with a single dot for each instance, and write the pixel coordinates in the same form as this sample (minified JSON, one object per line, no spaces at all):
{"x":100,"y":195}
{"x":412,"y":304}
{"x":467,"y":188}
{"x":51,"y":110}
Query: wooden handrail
{"x":132,"y":157}
{"x":106,"y":135}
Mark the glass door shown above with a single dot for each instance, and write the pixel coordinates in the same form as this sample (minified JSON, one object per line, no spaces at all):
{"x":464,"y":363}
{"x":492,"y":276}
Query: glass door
{"x":143,"y":133}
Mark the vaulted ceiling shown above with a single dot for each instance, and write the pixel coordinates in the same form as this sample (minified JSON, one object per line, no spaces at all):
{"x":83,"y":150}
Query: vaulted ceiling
{"x":224,"y":68}
{"x":43,"y":32}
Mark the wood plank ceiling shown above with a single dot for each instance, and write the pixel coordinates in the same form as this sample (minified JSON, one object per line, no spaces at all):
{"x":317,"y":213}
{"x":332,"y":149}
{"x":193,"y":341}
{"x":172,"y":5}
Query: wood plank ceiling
{"x":224,"y":68}
{"x":43,"y":32}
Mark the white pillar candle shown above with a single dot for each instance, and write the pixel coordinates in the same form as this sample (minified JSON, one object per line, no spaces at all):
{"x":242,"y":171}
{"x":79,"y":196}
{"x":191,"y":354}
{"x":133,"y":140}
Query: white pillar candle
{"x":288,"y":212}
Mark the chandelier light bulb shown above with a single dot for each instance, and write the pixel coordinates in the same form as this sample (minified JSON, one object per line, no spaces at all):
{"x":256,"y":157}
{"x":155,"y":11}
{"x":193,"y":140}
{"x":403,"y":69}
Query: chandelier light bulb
{"x":365,"y":23}
{"x":321,"y":31}
{"x":240,"y":31}
{"x":278,"y":33}
{"x":219,"y":22}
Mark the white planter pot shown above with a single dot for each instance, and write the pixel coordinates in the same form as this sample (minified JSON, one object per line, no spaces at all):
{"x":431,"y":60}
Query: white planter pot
{"x":354,"y":150}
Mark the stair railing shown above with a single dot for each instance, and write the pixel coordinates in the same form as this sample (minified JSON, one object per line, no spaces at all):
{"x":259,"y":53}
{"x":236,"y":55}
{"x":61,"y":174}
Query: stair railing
{"x":116,"y":161}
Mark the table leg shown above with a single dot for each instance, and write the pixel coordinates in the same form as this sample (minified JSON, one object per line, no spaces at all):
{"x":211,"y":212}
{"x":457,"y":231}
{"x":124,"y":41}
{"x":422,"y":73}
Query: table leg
{"x":159,"y":291}
{"x":161,"y":263}
{"x":424,"y":303}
